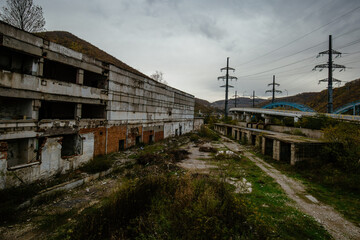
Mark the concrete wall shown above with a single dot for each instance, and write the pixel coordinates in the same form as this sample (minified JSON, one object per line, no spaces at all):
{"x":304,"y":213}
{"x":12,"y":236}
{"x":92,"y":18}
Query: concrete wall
{"x":317,"y":134}
{"x":127,"y":108}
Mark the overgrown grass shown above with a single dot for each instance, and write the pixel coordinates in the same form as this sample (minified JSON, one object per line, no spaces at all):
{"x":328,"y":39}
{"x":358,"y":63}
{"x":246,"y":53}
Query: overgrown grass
{"x":208,"y":134}
{"x":328,"y":184}
{"x":272,"y":204}
{"x":169,"y":207}
{"x":98,"y":164}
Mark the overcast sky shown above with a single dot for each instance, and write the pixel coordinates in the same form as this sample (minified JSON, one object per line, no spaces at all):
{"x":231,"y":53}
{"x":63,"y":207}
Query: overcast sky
{"x":189,"y":40}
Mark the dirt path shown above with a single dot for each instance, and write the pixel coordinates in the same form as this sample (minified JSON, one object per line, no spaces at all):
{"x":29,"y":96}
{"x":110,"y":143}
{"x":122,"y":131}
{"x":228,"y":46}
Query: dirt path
{"x":332,"y":221}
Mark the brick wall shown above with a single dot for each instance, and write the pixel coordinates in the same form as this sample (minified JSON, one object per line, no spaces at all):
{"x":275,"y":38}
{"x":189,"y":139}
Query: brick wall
{"x":159,"y":136}
{"x":3,"y":150}
{"x":99,"y":139}
{"x":115,"y":134}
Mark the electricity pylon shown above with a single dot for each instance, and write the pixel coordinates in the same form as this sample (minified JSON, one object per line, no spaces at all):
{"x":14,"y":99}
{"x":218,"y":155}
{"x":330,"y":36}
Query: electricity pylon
{"x":227,"y":78}
{"x":331,"y":66}
{"x":253,"y":99}
{"x":235,"y":97}
{"x":273,"y":90}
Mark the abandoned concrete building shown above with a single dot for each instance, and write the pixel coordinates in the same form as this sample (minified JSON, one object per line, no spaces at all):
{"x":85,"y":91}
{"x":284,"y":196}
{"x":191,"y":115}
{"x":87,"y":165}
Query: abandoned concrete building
{"x":59,"y":108}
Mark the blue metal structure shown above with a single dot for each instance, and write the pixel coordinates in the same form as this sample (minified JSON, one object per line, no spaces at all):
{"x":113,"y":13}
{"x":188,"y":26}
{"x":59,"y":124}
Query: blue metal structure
{"x":298,"y":106}
{"x":355,"y":106}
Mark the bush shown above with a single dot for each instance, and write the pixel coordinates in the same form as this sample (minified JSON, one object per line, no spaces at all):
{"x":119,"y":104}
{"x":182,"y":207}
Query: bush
{"x":169,"y":207}
{"x":318,"y":122}
{"x":344,"y":147}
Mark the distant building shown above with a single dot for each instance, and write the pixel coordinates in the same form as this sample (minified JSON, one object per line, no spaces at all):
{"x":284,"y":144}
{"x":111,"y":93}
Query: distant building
{"x":59,"y":108}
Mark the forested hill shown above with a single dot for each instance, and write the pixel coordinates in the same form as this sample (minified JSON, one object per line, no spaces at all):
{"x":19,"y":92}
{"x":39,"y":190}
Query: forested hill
{"x":348,"y":93}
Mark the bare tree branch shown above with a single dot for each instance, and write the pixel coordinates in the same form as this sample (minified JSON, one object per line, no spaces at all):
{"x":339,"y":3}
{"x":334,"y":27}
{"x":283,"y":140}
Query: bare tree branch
{"x":24,"y":15}
{"x":159,"y":77}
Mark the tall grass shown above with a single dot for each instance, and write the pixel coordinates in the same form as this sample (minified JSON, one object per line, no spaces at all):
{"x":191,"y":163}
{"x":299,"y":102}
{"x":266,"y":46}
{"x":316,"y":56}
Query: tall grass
{"x":170,"y":207}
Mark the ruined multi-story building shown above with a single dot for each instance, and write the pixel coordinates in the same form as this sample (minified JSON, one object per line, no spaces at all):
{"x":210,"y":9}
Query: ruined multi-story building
{"x":59,"y":108}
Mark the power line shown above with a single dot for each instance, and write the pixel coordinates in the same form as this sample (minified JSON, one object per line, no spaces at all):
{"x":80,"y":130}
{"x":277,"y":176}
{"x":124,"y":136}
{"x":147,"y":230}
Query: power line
{"x":302,"y":60}
{"x":303,"y":36}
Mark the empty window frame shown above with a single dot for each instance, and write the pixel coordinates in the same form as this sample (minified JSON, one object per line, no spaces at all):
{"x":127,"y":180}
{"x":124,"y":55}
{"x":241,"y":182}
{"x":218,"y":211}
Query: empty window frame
{"x":14,"y":61}
{"x":59,"y":71}
{"x":93,"y":111}
{"x":57,"y":110}
{"x":71,"y":145}
{"x":21,"y":151}
{"x":95,"y":80}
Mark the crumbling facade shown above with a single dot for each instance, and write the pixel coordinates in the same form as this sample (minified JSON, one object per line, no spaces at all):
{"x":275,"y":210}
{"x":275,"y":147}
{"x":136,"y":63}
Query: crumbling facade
{"x":59,"y":108}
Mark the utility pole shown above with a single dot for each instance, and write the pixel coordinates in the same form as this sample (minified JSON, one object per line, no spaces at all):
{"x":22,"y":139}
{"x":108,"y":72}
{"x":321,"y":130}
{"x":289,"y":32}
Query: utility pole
{"x":330,"y":65}
{"x":235,"y":97}
{"x":273,"y":91}
{"x":227,"y":77}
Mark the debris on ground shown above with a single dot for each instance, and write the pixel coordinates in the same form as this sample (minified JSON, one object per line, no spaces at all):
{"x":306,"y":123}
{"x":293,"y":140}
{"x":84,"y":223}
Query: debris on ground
{"x":207,"y":149}
{"x":241,"y":186}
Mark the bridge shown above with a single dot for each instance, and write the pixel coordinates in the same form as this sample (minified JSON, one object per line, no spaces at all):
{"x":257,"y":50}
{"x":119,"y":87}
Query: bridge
{"x":354,"y":106}
{"x":300,"y":107}
{"x":268,"y":113}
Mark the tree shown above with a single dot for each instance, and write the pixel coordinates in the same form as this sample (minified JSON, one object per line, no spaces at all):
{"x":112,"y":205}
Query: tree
{"x":159,"y":77}
{"x":24,"y":15}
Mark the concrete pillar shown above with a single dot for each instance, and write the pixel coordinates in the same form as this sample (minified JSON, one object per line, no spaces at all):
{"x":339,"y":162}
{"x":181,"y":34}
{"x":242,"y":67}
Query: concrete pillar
{"x":263,"y":145}
{"x":276,"y":150}
{"x":80,"y":76}
{"x":78,"y":108}
{"x":248,"y":137}
{"x":36,"y":104}
{"x":296,"y":119}
{"x":258,"y":141}
{"x":248,"y":118}
{"x":267,"y":119}
{"x":293,"y":159}
{"x":40,"y":71}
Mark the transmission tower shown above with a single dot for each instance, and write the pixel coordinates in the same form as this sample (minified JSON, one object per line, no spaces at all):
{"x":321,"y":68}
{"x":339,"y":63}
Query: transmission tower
{"x":235,"y":97}
{"x":253,"y":99}
{"x":273,"y":90}
{"x":227,"y":78}
{"x":331,"y":66}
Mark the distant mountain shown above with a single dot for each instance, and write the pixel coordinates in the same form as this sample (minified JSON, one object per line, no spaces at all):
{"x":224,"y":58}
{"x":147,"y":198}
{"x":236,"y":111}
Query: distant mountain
{"x":203,"y":107}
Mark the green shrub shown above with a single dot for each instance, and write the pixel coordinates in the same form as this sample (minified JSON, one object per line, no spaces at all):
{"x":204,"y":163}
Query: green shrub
{"x":318,"y":122}
{"x":288,"y":121}
{"x":344,"y":147}
{"x":298,"y":132}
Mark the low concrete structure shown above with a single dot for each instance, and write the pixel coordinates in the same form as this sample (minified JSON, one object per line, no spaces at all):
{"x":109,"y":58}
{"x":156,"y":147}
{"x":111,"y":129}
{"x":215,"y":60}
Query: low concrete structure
{"x":279,"y":146}
{"x":59,"y":108}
